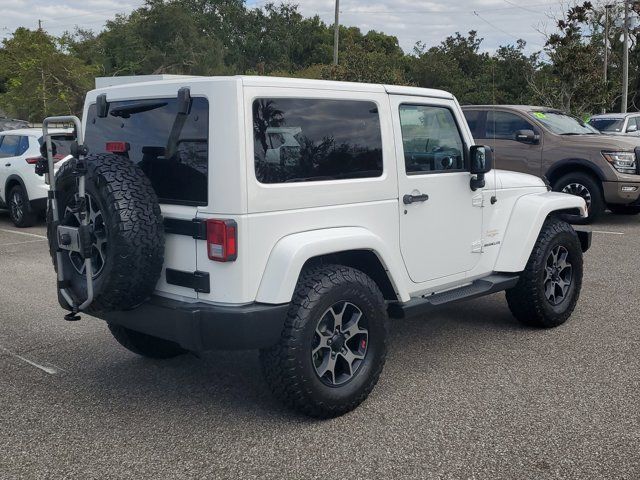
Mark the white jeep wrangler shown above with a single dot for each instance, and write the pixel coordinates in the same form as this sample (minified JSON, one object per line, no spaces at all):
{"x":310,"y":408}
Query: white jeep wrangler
{"x":295,"y":216}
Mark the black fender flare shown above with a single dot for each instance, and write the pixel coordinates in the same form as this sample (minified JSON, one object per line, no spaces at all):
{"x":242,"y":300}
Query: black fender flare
{"x":576,"y":162}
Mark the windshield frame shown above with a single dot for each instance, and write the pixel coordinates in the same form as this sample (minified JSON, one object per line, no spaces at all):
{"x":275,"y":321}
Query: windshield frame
{"x":540,"y":116}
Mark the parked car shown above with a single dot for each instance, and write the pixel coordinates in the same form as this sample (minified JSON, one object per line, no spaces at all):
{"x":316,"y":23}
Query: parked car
{"x":573,"y":156}
{"x":23,"y":192}
{"x":12,"y":123}
{"x":617,"y":123}
{"x":186,"y":233}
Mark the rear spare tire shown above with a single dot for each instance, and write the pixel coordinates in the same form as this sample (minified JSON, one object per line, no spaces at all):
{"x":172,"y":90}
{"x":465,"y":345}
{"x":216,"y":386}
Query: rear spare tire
{"x":126,"y":231}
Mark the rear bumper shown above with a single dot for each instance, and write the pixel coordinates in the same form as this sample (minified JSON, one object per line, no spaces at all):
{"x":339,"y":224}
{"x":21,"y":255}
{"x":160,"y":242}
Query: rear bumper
{"x":199,"y":326}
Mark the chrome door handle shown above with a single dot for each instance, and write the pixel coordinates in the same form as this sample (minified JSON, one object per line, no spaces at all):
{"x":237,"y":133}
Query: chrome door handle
{"x":409,"y":199}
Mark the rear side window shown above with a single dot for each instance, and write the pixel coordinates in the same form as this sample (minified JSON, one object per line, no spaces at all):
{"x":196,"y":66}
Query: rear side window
{"x":23,"y":146}
{"x":9,"y":145}
{"x":300,"y":139}
{"x":504,"y":125}
{"x":171,"y":149}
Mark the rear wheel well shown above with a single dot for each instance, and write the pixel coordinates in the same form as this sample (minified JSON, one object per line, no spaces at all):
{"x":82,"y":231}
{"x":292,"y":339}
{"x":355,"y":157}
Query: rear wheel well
{"x":364,"y":260}
{"x":12,"y":182}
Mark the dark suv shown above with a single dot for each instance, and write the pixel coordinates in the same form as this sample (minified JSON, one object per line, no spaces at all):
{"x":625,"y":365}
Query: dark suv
{"x":572,"y":155}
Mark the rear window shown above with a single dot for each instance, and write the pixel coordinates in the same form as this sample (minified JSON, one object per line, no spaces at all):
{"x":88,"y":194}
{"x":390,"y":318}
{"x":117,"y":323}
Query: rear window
{"x":171,"y":149}
{"x":301,"y":139}
{"x":607,"y":124}
{"x":62,"y":144}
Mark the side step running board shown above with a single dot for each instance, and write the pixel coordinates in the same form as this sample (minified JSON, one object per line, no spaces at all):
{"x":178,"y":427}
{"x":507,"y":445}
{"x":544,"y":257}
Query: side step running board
{"x":479,"y":288}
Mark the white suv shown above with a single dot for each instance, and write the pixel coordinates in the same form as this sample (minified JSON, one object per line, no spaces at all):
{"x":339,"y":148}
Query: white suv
{"x":295,"y":216}
{"x":23,"y":192}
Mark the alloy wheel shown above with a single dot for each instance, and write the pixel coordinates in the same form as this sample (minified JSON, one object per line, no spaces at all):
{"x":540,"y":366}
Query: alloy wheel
{"x":98,"y":237}
{"x":579,"y":190}
{"x":340,"y":344}
{"x":558,"y":275}
{"x":16,"y":206}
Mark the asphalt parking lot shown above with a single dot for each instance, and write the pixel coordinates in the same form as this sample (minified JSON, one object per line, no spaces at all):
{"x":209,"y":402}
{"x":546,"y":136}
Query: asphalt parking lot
{"x":466,"y":393}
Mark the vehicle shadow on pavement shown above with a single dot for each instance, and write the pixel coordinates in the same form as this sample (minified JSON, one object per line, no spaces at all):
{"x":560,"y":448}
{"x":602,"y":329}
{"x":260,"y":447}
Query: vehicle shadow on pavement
{"x":222,"y":383}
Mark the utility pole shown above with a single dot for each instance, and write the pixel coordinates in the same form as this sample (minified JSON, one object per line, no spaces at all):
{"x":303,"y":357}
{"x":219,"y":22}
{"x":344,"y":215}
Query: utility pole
{"x":336,"y":33}
{"x":625,"y":66}
{"x":606,"y":50}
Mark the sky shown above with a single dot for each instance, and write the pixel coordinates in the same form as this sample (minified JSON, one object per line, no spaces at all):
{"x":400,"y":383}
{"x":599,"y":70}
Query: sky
{"x":499,"y":22}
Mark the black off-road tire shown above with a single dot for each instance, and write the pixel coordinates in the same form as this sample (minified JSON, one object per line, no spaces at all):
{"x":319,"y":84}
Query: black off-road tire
{"x":592,"y":185}
{"x":527,"y":300}
{"x":22,"y":216}
{"x":288,"y":366}
{"x":134,"y":232}
{"x":145,"y":345}
{"x":624,"y":209}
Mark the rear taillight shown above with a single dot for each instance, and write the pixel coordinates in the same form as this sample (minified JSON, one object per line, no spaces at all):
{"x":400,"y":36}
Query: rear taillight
{"x":222,"y":240}
{"x":34,"y":160}
{"x":117,"y":147}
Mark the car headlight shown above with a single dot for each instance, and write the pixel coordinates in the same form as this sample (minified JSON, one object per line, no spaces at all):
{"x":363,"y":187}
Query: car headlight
{"x":624,"y":162}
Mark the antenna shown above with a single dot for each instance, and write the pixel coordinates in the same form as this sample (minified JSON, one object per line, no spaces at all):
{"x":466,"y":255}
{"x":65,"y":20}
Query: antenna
{"x":494,"y":198}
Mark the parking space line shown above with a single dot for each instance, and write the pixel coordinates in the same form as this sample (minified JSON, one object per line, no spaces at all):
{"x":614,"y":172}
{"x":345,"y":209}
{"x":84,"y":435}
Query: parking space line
{"x":22,"y":233}
{"x":22,"y":243}
{"x":607,"y":233}
{"x":51,"y":369}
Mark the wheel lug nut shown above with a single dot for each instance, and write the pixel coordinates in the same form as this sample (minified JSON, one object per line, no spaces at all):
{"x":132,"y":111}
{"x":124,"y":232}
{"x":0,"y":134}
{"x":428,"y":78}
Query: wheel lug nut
{"x":329,"y":342}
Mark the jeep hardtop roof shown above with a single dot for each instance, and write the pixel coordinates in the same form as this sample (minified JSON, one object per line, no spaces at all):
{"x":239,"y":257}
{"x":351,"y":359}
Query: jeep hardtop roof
{"x":258,"y":81}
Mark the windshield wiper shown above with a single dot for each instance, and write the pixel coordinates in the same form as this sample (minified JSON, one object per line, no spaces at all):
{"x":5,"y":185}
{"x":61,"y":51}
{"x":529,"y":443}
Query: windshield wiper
{"x":125,"y":111}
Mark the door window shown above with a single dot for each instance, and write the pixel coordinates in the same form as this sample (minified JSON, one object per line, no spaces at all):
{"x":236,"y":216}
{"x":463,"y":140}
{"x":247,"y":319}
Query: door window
{"x":474,"y":120}
{"x":431,"y":140}
{"x":304,"y":139}
{"x":9,"y":146}
{"x":504,"y":125}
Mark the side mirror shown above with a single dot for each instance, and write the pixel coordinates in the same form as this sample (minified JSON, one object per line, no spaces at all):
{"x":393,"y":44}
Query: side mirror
{"x":526,"y":136}
{"x":632,"y":128}
{"x":481,"y":163}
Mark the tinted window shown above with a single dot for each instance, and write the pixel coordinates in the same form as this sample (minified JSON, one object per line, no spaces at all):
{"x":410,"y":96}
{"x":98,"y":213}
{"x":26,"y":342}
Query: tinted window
{"x":431,"y":139}
{"x":297,"y":140}
{"x":473,"y":119}
{"x":607,"y":124}
{"x":62,"y":144}
{"x":563,"y":124}
{"x":171,"y":149}
{"x":23,"y":146}
{"x":504,"y":125}
{"x":9,"y":146}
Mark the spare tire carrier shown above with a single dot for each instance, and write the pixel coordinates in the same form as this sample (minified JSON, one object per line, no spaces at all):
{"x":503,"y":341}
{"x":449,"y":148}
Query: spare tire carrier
{"x":67,"y":238}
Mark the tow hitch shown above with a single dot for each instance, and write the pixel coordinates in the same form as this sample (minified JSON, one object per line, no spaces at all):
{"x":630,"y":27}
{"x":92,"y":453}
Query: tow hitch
{"x":67,"y":238}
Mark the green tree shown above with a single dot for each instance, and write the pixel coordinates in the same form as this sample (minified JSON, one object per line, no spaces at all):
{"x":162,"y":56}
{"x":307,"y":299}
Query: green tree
{"x":39,"y":78}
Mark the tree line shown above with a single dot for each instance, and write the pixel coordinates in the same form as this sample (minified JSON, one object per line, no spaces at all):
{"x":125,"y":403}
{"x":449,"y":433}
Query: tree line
{"x":42,"y":74}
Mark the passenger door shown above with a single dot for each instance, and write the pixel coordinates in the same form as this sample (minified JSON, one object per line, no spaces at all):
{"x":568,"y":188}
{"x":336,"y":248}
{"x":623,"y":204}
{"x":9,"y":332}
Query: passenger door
{"x":440,"y":216}
{"x":510,"y":154}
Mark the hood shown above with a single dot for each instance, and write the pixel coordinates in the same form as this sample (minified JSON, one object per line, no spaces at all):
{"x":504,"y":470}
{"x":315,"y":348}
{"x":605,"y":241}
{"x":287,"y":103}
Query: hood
{"x":508,"y":179}
{"x":602,"y":142}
